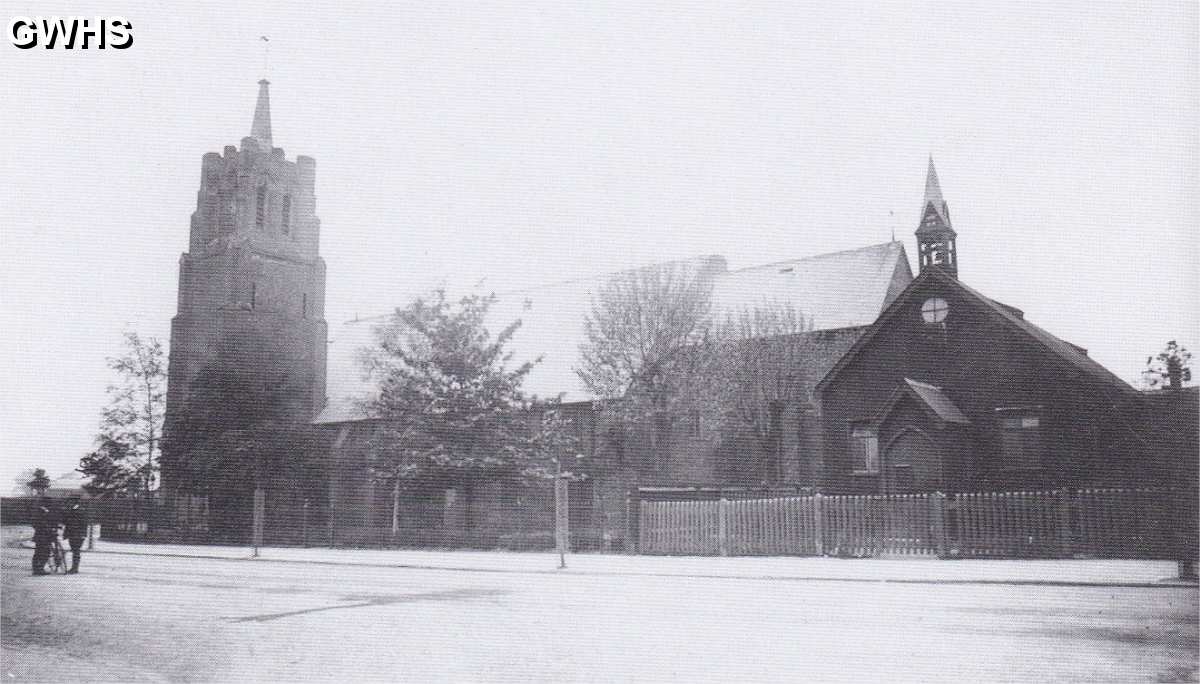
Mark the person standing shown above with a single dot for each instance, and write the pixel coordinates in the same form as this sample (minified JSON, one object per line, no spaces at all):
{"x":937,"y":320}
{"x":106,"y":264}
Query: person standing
{"x":75,"y":527}
{"x":45,"y":528}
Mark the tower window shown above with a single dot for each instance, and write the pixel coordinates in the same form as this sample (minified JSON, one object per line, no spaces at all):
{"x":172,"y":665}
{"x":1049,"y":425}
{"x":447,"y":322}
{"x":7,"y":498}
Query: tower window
{"x":253,"y":295}
{"x":304,"y":305}
{"x":260,"y":207}
{"x":286,"y":214}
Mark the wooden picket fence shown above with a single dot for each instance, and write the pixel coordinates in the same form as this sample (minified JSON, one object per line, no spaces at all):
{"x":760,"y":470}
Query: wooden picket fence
{"x":1109,"y":523}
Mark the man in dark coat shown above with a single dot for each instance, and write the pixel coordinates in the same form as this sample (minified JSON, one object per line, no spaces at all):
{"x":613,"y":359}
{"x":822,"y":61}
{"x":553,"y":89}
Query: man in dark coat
{"x":75,"y":527}
{"x":45,"y":529}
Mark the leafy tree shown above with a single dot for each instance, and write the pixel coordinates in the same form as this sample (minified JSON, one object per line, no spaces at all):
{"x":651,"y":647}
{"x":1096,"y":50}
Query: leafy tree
{"x":1171,"y":367}
{"x":451,"y":407}
{"x":127,"y":457}
{"x":37,"y":482}
{"x":240,"y":430}
{"x":649,"y":349}
{"x":109,"y":469}
{"x":764,"y":367}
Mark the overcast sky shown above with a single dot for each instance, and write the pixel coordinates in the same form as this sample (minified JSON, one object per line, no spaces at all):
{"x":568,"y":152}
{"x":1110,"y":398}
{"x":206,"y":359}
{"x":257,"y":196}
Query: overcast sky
{"x":532,"y":142}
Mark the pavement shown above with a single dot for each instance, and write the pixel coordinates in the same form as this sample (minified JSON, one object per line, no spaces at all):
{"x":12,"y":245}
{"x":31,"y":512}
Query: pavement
{"x":142,"y":612}
{"x":1068,"y":572}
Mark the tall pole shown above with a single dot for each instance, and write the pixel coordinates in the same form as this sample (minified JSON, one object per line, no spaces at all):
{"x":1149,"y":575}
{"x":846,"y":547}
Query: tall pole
{"x":562,"y":518}
{"x":259,"y":510}
{"x":260,"y":499}
{"x":396,"y":509}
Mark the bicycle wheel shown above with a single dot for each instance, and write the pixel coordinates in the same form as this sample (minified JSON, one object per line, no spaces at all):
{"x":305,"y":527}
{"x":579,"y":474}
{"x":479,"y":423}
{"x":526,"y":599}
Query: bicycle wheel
{"x":58,"y":563}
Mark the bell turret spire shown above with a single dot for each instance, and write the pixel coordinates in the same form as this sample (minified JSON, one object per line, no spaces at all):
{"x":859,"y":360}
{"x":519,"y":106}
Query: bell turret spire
{"x":261,"y":128}
{"x":935,"y":234}
{"x":933,"y":197}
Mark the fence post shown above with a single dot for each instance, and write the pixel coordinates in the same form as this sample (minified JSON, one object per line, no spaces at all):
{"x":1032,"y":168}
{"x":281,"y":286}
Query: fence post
{"x":723,"y":527}
{"x":938,"y":511}
{"x":632,"y":521}
{"x":395,"y":509}
{"x":304,"y":529}
{"x":1064,"y":522}
{"x":818,"y":525}
{"x":1183,"y":531}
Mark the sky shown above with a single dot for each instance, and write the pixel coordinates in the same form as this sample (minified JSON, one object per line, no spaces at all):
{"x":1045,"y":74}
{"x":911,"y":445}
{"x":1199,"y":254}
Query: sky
{"x":503,"y":145}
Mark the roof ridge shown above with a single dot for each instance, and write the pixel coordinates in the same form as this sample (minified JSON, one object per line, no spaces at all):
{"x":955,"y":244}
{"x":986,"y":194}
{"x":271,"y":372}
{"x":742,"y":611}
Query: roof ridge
{"x":822,"y":255}
{"x":597,"y":276}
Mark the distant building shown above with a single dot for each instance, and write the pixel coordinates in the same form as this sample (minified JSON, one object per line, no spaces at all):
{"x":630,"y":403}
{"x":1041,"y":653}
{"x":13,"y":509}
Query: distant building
{"x":67,"y":485}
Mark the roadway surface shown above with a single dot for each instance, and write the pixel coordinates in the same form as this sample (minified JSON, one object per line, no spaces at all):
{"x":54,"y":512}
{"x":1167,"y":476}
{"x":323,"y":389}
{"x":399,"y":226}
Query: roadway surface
{"x":144,"y":618}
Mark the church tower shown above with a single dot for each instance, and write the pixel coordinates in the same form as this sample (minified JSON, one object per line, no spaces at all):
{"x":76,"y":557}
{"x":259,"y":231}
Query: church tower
{"x":250,"y":322}
{"x":935,"y":234}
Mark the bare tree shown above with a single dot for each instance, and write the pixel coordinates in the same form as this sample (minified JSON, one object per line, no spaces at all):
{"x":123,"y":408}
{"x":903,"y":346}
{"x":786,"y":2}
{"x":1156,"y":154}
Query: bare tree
{"x":649,"y":339}
{"x":765,"y":357}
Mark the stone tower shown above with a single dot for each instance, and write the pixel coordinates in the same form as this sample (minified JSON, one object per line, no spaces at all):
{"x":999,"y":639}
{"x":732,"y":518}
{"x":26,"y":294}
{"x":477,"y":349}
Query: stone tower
{"x":251,"y":291}
{"x":935,"y":234}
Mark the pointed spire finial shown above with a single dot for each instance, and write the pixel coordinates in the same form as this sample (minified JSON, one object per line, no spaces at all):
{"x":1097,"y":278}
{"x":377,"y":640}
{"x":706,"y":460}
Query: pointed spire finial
{"x":261,"y":128}
{"x":933,"y":189}
{"x":933,"y":198}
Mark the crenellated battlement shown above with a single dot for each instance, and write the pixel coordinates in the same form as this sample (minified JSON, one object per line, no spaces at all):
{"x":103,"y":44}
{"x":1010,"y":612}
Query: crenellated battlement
{"x":253,"y":194}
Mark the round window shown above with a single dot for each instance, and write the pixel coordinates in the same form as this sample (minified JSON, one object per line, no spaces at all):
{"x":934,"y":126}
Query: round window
{"x":934,"y":310}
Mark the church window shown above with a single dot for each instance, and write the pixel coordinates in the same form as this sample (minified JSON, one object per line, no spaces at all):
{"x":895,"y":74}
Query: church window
{"x":286,"y":214}
{"x":934,"y":310}
{"x":253,"y":295}
{"x":304,"y":305}
{"x":864,"y":447}
{"x":1021,"y":442}
{"x":260,"y":207}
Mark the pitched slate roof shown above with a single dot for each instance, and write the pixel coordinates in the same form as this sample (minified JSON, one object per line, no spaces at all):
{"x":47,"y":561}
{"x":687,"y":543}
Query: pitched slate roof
{"x":833,"y":291}
{"x":1074,"y":355}
{"x":836,"y":290}
{"x":1067,"y":352}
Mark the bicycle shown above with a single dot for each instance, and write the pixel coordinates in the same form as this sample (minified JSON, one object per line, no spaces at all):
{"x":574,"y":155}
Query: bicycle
{"x":58,"y":558}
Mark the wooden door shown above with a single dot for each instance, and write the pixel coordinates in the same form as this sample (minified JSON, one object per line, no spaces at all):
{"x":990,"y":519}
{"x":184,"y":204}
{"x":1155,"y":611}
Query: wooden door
{"x":912,"y":463}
